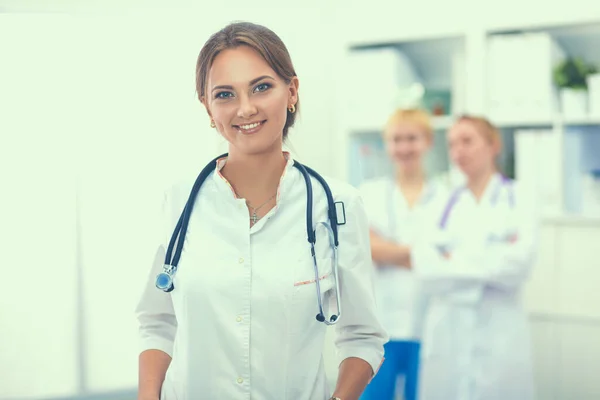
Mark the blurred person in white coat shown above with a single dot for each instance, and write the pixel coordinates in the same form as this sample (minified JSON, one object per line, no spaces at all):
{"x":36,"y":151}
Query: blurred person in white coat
{"x":397,"y":207}
{"x":244,"y":314}
{"x":476,"y":335}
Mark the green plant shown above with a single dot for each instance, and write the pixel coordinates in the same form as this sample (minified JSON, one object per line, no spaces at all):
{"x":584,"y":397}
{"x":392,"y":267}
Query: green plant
{"x":572,"y":73}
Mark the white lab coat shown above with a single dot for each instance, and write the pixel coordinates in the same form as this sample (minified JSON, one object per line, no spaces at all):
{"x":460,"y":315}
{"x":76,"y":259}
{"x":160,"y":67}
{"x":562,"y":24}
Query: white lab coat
{"x":476,"y":344}
{"x":240,"y":323}
{"x":399,"y":297}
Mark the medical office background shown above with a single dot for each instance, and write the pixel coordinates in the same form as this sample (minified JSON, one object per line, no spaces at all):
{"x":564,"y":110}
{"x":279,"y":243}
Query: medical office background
{"x":98,"y":115}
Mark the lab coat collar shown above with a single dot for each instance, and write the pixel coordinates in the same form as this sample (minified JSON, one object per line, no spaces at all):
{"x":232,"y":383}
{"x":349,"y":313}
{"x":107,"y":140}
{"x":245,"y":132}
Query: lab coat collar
{"x":490,"y":194}
{"x":426,"y":195}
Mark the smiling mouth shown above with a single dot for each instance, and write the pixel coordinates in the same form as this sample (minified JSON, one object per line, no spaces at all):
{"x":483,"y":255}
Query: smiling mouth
{"x":249,"y":128}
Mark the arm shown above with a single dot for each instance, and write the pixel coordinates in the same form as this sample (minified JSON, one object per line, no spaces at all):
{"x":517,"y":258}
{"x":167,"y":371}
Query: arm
{"x":153,"y":366}
{"x":353,"y":377}
{"x":384,"y":252}
{"x":359,"y":334}
{"x":503,"y":263}
{"x":157,"y":328}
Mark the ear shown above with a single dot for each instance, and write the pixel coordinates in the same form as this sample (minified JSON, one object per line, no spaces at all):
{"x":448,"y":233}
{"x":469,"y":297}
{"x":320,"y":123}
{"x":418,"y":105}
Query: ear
{"x":496,"y":148}
{"x":293,"y":90}
{"x":205,"y":104}
{"x":429,"y":139}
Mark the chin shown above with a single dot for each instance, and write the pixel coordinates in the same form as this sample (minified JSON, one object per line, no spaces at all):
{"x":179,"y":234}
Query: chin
{"x":408,"y":166}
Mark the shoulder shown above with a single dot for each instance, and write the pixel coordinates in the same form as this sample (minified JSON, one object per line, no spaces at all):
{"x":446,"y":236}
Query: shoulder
{"x":177,"y":192}
{"x":341,"y":191}
{"x":525,"y":196}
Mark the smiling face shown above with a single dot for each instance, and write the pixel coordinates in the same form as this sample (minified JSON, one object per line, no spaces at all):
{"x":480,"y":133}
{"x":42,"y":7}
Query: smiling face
{"x":406,"y":144}
{"x":248,"y":101}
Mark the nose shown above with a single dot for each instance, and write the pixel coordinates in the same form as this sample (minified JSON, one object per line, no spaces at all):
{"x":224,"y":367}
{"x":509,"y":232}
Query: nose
{"x":246,"y":109}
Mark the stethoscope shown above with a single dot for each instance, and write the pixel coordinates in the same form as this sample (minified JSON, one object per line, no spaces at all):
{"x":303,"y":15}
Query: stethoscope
{"x":504,"y":183}
{"x":164,"y":280}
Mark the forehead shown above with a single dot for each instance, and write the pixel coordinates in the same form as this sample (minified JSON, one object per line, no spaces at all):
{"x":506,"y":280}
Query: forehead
{"x":237,"y":66}
{"x":404,"y":129}
{"x":462,"y":129}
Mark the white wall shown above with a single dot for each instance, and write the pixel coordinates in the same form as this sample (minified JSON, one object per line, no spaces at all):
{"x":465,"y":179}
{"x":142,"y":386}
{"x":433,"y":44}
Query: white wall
{"x":102,"y":106}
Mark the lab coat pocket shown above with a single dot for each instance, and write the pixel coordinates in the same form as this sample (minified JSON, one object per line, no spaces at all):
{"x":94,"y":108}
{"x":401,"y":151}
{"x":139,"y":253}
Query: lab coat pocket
{"x":305,"y":289}
{"x":307,"y":275}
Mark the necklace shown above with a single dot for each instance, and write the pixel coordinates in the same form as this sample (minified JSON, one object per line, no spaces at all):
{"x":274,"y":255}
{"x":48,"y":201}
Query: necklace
{"x":254,"y":218}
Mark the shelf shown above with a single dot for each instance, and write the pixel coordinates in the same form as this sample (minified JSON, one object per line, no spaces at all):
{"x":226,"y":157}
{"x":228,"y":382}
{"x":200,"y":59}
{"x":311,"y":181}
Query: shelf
{"x":439,"y":123}
{"x":429,"y":73}
{"x":585,"y":121}
{"x":571,"y":219}
{"x":545,"y":123}
{"x":525,"y":90}
{"x":578,"y":40}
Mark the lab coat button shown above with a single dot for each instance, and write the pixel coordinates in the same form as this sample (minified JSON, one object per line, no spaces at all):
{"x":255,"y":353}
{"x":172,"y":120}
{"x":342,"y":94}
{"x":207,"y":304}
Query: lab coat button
{"x":239,"y":319}
{"x":240,"y":380}
{"x":241,"y":260}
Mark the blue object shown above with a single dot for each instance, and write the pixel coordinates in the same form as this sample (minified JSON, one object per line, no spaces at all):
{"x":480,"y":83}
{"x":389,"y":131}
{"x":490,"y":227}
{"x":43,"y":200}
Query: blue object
{"x":401,"y":360}
{"x":165,"y":279}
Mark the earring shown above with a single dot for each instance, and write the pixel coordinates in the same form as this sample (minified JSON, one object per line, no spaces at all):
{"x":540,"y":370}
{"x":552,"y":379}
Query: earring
{"x":292,"y":109}
{"x":212,"y":124}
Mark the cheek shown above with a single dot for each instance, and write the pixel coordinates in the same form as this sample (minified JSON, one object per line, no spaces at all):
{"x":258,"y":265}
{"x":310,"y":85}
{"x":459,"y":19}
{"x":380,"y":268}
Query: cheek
{"x":420,"y":148}
{"x":222,"y":113}
{"x":275,"y":105}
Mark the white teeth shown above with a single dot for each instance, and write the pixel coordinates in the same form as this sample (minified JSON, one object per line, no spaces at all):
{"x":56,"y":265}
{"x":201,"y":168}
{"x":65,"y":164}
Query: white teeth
{"x":250,"y":126}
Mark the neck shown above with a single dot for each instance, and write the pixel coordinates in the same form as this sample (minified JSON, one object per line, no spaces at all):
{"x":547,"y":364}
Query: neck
{"x":411,"y":185}
{"x":477,"y":183}
{"x":411,"y":178}
{"x":254,"y":177}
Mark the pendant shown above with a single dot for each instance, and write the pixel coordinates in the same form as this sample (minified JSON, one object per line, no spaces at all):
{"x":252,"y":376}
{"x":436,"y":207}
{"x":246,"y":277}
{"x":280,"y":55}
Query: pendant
{"x":254,"y":218}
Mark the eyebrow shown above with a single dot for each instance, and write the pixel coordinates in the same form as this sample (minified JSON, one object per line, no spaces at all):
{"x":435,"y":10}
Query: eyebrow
{"x":252,"y":82}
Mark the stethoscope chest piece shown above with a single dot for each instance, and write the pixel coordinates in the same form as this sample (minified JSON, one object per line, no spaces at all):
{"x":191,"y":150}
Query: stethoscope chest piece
{"x":164,"y":280}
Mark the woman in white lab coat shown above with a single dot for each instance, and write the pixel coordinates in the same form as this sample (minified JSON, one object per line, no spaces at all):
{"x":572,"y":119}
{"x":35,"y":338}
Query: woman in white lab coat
{"x":476,"y":337}
{"x":240,"y":322}
{"x":398,"y":208}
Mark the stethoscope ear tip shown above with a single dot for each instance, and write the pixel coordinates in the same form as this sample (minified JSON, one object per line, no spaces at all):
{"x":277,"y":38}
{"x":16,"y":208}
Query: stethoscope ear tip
{"x":333,"y":318}
{"x":320,"y":317}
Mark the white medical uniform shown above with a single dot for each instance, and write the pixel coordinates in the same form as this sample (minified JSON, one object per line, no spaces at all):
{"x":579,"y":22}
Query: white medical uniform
{"x":399,"y":298}
{"x":241,"y":323}
{"x":476,"y":343}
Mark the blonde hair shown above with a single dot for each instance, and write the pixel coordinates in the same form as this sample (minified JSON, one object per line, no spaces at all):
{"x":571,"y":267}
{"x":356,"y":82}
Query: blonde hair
{"x":410,"y":116}
{"x":485,"y":128}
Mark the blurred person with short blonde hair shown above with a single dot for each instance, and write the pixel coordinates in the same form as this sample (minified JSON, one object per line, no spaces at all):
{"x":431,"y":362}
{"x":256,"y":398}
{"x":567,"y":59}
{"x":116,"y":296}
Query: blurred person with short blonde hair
{"x":398,"y":207}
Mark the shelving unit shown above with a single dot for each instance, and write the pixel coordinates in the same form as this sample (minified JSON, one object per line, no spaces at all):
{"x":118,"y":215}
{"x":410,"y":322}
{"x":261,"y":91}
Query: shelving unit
{"x":434,"y":66}
{"x":442,"y":62}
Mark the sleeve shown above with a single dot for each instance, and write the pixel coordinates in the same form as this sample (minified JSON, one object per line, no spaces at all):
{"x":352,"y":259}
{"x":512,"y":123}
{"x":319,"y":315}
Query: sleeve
{"x":154,"y":312}
{"x":504,"y":262}
{"x":359,"y":332}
